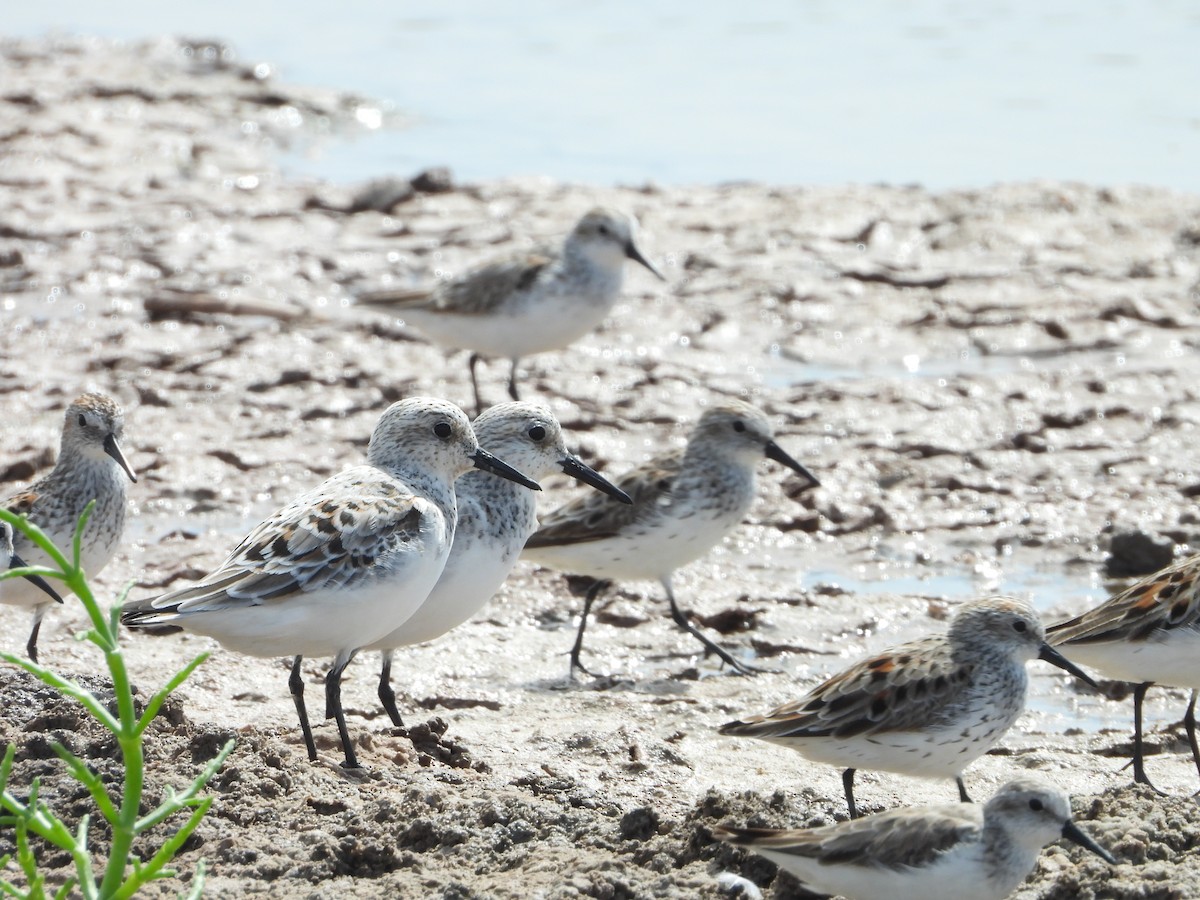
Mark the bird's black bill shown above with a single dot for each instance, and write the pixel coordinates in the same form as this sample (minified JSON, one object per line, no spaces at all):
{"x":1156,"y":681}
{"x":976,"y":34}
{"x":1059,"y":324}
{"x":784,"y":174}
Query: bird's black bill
{"x":1052,"y":656}
{"x":487,"y":462}
{"x":585,"y":473}
{"x":635,"y":254}
{"x":113,"y":449}
{"x":1073,"y":832}
{"x":777,"y":453}
{"x":15,"y":562}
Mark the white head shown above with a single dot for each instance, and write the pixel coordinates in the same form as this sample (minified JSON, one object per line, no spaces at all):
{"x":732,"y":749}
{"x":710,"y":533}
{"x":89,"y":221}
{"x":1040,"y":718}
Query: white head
{"x":92,"y":428}
{"x":433,"y":435}
{"x":605,"y":238}
{"x":1005,"y":623}
{"x":738,"y":432}
{"x":1009,"y":626}
{"x":529,"y":437}
{"x":526,"y":435}
{"x":1033,"y":814}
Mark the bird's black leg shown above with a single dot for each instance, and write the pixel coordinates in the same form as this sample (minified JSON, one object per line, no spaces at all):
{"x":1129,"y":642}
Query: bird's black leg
{"x":386,"y":695}
{"x":595,"y":590}
{"x":31,"y":644}
{"x":848,"y":784}
{"x":472,"y":363}
{"x":1189,"y":724}
{"x":512,"y":380}
{"x":333,"y":705}
{"x":963,"y":796}
{"x":1139,"y":768}
{"x":296,"y":686}
{"x":682,"y":621}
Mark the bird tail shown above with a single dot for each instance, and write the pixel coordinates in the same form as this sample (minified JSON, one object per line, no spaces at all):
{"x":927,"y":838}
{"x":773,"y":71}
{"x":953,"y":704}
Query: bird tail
{"x":394,"y":298}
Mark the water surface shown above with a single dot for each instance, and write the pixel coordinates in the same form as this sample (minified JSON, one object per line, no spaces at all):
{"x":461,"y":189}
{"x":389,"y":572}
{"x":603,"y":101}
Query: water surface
{"x":937,"y":92}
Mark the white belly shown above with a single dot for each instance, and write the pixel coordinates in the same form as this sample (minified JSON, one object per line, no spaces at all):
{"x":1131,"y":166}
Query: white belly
{"x":1173,"y":661}
{"x":323,"y":622}
{"x":926,"y":754}
{"x":471,"y":578}
{"x":960,"y":873}
{"x":20,"y":592}
{"x":97,"y":548}
{"x":530,"y":328}
{"x":651,"y":553}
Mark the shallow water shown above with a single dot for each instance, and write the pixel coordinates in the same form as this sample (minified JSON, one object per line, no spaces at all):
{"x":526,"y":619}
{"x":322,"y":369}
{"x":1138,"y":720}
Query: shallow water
{"x":1044,"y":588}
{"x":935,"y":92}
{"x":779,"y":371}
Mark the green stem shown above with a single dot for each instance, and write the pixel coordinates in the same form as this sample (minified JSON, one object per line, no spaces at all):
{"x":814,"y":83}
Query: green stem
{"x":129,"y":739}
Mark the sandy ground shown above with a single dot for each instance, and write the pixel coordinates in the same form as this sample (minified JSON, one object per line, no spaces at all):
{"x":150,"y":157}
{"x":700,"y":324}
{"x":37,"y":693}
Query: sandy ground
{"x":990,"y":384}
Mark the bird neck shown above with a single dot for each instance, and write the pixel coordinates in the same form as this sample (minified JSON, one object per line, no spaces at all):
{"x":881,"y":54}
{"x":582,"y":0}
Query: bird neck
{"x":582,"y":267}
{"x":431,"y":484}
{"x":90,"y":477}
{"x":1008,"y":858}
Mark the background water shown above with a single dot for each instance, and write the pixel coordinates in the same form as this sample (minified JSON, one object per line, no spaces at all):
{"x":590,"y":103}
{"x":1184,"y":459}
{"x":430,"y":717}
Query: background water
{"x":940,"y":92}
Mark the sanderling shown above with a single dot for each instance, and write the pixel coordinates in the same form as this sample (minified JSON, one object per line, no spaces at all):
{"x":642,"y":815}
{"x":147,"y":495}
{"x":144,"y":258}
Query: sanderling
{"x":90,"y":467}
{"x":924,"y":852}
{"x":10,"y":560}
{"x":1147,"y":634}
{"x":684,"y":503}
{"x":344,"y":564}
{"x":494,"y":519}
{"x":528,"y":303}
{"x":928,"y":708}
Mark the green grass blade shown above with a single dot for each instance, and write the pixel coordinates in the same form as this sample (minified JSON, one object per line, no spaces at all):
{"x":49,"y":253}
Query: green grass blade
{"x":175,"y":802}
{"x":89,"y":779}
{"x":160,"y":697}
{"x":67,"y":687}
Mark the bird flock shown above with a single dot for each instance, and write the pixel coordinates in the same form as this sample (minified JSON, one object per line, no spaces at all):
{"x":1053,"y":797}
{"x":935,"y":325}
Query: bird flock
{"x":412,"y":542}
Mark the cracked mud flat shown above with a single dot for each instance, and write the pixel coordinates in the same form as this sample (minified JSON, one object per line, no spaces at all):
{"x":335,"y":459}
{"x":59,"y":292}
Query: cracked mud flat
{"x":990,"y":385}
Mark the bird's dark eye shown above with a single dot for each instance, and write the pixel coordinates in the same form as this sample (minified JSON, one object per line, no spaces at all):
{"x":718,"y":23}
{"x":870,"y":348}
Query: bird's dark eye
{"x":1036,"y":805}
{"x":443,"y":430}
{"x":739,"y":426}
{"x":603,"y":229}
{"x":82,"y":421}
{"x":537,"y":432}
{"x":1020,"y":627}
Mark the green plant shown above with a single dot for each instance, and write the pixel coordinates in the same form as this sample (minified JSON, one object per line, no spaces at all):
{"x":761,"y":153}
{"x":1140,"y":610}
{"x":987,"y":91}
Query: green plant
{"x":123,"y":873}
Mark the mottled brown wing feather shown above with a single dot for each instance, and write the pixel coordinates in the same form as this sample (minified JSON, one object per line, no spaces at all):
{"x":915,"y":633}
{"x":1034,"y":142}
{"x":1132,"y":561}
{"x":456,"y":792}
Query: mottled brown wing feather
{"x":482,"y":290}
{"x":316,"y":542}
{"x":21,"y":503}
{"x":897,"y":689}
{"x":891,"y":840}
{"x":399,"y":298}
{"x":594,"y":516}
{"x":1166,"y":600}
{"x":475,"y":293}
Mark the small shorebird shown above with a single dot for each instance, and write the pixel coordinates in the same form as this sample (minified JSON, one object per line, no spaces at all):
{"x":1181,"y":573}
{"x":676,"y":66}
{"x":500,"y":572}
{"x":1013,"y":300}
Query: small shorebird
{"x":927,"y":708}
{"x":926,"y":852}
{"x":528,"y":303}
{"x":1147,"y":634}
{"x":90,"y":467}
{"x":343,"y":564}
{"x":684,"y":503}
{"x":495,"y":517}
{"x":10,"y":560}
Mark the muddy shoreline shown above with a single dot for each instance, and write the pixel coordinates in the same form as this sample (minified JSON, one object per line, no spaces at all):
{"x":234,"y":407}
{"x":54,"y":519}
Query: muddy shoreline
{"x":990,"y":384}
